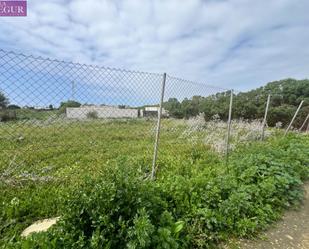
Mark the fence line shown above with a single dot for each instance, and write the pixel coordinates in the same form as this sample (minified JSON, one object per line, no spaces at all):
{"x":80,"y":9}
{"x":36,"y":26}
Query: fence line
{"x":305,"y":121}
{"x":300,"y":105}
{"x":158,"y":129}
{"x":54,"y":101}
{"x":229,"y":126}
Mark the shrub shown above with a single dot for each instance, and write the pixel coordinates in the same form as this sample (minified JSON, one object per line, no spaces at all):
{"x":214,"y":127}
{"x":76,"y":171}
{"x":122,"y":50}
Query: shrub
{"x":92,"y":115}
{"x":3,"y":100}
{"x":13,"y":107}
{"x":192,"y":204}
{"x":69,"y":103}
{"x":118,"y":212}
{"x":7,"y":115}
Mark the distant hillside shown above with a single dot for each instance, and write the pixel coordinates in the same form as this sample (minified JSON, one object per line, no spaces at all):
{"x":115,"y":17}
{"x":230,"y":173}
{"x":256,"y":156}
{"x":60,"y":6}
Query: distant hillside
{"x":285,"y":97}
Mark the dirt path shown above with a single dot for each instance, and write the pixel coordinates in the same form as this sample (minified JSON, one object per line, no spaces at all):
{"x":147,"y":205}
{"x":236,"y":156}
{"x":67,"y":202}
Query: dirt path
{"x":292,"y":232}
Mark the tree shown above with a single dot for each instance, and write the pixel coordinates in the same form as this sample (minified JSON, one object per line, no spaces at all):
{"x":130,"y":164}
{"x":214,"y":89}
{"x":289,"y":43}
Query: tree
{"x":3,"y":101}
{"x":281,"y":114}
{"x":13,"y":107}
{"x":285,"y":97}
{"x":173,"y":107}
{"x":69,"y":103}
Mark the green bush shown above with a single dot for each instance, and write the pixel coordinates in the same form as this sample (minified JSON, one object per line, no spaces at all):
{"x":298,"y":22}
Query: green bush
{"x":13,"y":107}
{"x":3,"y":100}
{"x":92,"y":115}
{"x":7,"y":115}
{"x":69,"y":103}
{"x":194,"y":203}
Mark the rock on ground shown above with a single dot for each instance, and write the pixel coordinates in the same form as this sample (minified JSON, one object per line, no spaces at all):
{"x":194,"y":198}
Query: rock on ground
{"x":39,"y":226}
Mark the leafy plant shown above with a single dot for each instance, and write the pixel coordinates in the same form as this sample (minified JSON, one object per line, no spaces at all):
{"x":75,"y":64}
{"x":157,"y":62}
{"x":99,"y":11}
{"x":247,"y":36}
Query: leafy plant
{"x":106,"y":199}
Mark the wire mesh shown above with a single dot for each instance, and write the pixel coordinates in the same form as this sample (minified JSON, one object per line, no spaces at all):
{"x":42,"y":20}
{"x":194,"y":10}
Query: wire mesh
{"x":56,"y":116}
{"x":191,"y":115}
{"x":62,"y":123}
{"x":61,"y":115}
{"x":195,"y":115}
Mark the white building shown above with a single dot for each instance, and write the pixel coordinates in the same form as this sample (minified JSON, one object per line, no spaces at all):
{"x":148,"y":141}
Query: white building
{"x":151,"y":111}
{"x":85,"y":112}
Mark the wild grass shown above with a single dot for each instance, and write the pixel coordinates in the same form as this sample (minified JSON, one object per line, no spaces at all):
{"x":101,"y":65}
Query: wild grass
{"x":45,"y":163}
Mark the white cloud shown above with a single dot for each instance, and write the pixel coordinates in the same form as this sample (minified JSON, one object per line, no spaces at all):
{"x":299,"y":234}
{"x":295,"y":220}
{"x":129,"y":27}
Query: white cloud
{"x":228,"y":43}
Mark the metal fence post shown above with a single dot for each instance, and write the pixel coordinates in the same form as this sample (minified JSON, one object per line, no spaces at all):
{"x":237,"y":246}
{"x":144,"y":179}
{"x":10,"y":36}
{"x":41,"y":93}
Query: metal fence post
{"x":265,"y":117}
{"x":300,"y":105}
{"x":155,"y":153}
{"x":229,"y":127}
{"x":303,"y":125}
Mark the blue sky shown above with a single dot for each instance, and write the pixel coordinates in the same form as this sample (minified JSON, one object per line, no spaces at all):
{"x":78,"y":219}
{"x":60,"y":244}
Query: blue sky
{"x":238,"y":44}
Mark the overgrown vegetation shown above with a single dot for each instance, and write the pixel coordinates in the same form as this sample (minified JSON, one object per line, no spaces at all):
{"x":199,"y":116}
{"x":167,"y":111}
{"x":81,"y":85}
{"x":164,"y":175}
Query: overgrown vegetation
{"x":286,"y":95}
{"x":7,"y":115}
{"x":3,"y":101}
{"x":95,"y":175}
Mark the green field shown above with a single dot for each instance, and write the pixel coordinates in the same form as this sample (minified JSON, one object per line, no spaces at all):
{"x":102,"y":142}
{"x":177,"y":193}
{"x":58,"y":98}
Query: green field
{"x":95,"y":175}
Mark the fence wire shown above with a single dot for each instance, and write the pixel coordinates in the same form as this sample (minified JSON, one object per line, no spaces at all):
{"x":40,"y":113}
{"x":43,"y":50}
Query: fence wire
{"x":187,"y":112}
{"x":56,"y":116}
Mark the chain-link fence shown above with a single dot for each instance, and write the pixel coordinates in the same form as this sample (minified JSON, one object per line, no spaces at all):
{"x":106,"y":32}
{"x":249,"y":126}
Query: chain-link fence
{"x":66,"y":118}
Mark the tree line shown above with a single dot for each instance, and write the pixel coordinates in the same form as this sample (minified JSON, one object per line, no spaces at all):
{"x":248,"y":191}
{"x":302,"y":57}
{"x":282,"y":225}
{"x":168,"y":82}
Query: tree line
{"x":286,"y":95}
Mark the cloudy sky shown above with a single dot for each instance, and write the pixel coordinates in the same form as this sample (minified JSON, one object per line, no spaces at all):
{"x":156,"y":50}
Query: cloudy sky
{"x":239,"y":44}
